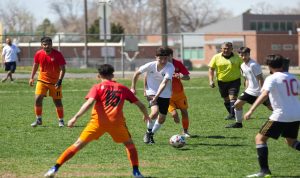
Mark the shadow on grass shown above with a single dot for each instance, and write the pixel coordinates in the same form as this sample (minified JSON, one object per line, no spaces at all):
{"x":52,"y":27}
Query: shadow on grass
{"x":286,"y":176}
{"x":216,"y":144}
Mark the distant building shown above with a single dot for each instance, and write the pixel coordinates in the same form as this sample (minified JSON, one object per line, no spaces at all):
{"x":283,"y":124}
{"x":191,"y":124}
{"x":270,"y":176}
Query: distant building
{"x":264,"y":34}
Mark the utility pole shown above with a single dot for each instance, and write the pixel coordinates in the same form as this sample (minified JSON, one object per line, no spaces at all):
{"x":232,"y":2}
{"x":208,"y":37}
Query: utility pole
{"x":85,"y":64}
{"x":164,"y":24}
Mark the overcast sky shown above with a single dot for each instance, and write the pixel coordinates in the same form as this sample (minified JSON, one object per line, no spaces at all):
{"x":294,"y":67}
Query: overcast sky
{"x":40,"y":8}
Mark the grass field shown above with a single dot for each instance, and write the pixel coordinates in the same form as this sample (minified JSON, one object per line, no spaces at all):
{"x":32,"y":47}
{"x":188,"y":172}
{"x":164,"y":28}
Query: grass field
{"x":213,"y":152}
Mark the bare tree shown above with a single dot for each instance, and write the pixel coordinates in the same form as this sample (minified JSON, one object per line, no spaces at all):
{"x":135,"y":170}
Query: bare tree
{"x":16,"y":18}
{"x":267,"y":8}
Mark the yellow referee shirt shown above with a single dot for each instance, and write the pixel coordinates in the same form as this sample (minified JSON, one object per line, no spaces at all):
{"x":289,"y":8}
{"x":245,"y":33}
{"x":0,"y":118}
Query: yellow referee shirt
{"x":226,"y":69}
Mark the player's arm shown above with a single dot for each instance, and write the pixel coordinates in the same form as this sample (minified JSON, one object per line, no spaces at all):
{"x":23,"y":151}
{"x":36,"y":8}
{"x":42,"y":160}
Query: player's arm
{"x":143,"y":109}
{"x":246,"y":82}
{"x":61,"y":76}
{"x":260,"y":80}
{"x":145,"y":85}
{"x":86,"y":106}
{"x":211,"y":73}
{"x":33,"y":71}
{"x":161,"y":88}
{"x":262,"y":98}
{"x":134,"y":80}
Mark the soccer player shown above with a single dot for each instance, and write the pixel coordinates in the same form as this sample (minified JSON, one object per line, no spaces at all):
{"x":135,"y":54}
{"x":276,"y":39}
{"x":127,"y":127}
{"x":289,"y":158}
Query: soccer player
{"x":159,"y":89}
{"x":10,"y":54}
{"x":227,"y":66}
{"x":253,"y":82}
{"x":283,"y":89}
{"x":107,"y":117}
{"x":52,"y":71}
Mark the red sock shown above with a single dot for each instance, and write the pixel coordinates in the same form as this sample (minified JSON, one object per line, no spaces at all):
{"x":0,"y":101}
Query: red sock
{"x":132,"y":154}
{"x":185,"y":123}
{"x":38,"y":110}
{"x":67,"y":154}
{"x":60,"y":112}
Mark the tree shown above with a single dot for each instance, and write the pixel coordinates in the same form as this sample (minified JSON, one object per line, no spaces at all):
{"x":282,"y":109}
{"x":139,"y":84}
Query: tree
{"x":16,"y":19}
{"x":46,"y":28}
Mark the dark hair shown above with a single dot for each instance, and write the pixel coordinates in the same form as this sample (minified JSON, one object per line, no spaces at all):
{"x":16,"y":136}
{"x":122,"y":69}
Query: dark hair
{"x":244,"y":50}
{"x":275,"y":61}
{"x":46,"y":39}
{"x":227,"y":44}
{"x":169,"y":50}
{"x":162,"y":51}
{"x":106,"y":70}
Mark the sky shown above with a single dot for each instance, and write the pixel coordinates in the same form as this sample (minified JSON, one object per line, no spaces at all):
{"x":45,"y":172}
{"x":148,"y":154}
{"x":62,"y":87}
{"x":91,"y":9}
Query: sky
{"x":40,"y":8}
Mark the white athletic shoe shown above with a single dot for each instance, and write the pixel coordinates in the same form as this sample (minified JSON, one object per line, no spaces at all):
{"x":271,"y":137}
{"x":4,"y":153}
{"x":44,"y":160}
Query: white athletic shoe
{"x":186,"y":134}
{"x":37,"y":122}
{"x":51,"y":173}
{"x":61,"y":123}
{"x":261,"y":174}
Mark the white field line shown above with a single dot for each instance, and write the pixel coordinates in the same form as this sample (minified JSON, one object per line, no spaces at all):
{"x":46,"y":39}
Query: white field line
{"x":75,"y":90}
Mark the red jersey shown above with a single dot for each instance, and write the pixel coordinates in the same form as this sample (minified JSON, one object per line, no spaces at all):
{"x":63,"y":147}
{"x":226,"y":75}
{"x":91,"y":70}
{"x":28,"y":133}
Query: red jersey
{"x":49,"y":65}
{"x":110,"y":97}
{"x":176,"y":82}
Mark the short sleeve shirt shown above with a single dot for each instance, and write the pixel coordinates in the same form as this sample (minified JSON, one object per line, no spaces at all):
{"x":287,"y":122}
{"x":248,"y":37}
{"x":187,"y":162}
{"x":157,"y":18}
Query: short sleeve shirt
{"x":283,"y":91}
{"x":250,"y":71}
{"x":110,"y":97}
{"x":10,"y":53}
{"x":226,"y":69}
{"x":177,"y":86}
{"x":49,"y":65}
{"x":154,"y":78}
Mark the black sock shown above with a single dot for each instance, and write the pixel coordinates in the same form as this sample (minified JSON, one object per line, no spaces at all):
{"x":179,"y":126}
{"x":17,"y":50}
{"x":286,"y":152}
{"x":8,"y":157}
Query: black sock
{"x":135,"y":168}
{"x":227,"y":106}
{"x":149,"y":130}
{"x":231,"y":107}
{"x":57,"y":166}
{"x":296,"y":145}
{"x":262,"y":153}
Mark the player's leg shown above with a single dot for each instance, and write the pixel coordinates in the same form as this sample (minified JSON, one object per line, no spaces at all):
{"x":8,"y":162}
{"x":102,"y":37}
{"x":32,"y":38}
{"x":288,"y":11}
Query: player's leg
{"x":153,"y":115}
{"x":223,"y":90}
{"x":40,"y":92}
{"x":132,"y":155}
{"x":173,"y":112}
{"x":269,"y":129}
{"x":7,"y":69}
{"x":91,"y":132}
{"x":56,"y":94}
{"x":12,"y":70}
{"x":238,"y":112}
{"x":291,"y":134}
{"x":233,"y":91}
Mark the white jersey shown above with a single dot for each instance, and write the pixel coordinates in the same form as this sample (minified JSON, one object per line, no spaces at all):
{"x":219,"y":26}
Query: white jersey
{"x":154,"y":78}
{"x":10,"y":53}
{"x":283,"y":90}
{"x":250,"y":71}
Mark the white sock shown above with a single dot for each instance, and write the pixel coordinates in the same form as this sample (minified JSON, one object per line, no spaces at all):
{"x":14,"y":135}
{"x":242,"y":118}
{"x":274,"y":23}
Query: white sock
{"x":156,"y":126}
{"x":238,"y":115}
{"x":150,"y":124}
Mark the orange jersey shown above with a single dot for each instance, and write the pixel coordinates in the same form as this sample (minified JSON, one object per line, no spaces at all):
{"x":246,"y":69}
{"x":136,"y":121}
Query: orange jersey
{"x":110,"y":97}
{"x":177,"y":86}
{"x":49,"y":65}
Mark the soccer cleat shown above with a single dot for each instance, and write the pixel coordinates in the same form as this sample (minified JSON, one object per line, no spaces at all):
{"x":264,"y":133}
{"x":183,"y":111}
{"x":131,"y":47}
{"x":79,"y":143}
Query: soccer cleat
{"x":186,"y":134}
{"x":235,"y":125}
{"x":51,"y":172}
{"x":266,"y":174}
{"x":137,"y":174}
{"x":151,"y":138}
{"x":147,"y":137}
{"x":37,"y":122}
{"x":61,"y":123}
{"x":229,"y":117}
{"x":3,"y":80}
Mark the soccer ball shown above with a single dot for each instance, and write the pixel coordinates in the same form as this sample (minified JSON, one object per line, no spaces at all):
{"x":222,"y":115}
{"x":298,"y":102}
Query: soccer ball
{"x":177,"y":141}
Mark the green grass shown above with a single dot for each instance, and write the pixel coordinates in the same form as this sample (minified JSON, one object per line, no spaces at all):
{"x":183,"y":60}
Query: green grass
{"x":213,"y":152}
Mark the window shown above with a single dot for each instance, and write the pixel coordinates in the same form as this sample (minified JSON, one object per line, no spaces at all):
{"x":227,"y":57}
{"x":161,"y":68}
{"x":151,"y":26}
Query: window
{"x":275,"y":47}
{"x":260,"y":26}
{"x":275,"y":26}
{"x":289,"y":25}
{"x":252,"y":25}
{"x":267,"y":26}
{"x":282,"y":26}
{"x":194,"y":53}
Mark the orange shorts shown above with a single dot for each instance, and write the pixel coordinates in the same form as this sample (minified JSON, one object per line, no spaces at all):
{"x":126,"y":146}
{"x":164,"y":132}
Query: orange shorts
{"x":94,"y":130}
{"x":178,"y":101}
{"x":43,"y":88}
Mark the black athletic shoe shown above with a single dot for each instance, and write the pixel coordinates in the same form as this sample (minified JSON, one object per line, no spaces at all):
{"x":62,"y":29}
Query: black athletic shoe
{"x":151,"y":138}
{"x":235,"y":125}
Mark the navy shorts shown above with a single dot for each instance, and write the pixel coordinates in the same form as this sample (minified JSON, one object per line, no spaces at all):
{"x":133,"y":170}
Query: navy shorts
{"x":251,"y":99}
{"x":229,"y":88}
{"x":274,"y":129}
{"x":10,"y":66}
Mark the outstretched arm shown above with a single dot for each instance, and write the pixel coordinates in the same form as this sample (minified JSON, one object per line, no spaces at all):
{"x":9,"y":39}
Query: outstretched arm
{"x":81,"y":111}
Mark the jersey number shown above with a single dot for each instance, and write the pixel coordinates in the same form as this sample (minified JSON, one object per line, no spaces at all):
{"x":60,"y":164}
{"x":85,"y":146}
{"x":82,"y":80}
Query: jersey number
{"x":291,"y":87}
{"x":112,"y":98}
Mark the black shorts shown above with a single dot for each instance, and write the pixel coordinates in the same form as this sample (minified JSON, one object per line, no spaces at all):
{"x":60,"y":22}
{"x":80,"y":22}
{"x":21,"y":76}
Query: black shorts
{"x":229,"y":88}
{"x":10,"y":66}
{"x":274,"y":129}
{"x":251,"y":99}
{"x":162,"y":103}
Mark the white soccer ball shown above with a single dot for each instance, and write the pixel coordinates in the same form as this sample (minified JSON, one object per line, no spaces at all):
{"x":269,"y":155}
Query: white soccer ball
{"x":177,"y":141}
